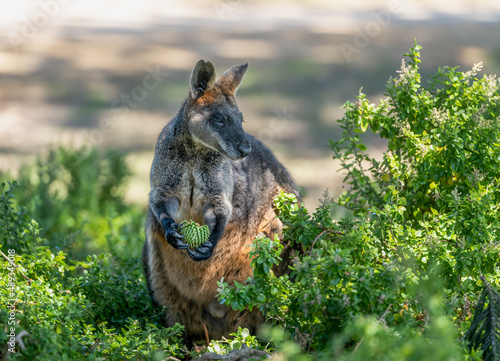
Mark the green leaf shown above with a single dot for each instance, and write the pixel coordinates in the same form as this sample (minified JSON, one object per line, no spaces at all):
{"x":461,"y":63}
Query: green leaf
{"x":361,"y":146}
{"x":245,"y":332}
{"x":236,"y":345}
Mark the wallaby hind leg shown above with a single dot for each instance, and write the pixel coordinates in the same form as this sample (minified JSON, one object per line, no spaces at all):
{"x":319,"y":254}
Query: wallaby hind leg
{"x":178,"y":308}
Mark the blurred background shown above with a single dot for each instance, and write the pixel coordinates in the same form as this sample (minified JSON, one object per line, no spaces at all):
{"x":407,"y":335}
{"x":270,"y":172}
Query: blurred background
{"x":112,"y":73}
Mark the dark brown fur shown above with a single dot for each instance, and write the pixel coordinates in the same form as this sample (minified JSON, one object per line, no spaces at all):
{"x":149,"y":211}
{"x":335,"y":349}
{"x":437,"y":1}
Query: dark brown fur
{"x":205,"y":172}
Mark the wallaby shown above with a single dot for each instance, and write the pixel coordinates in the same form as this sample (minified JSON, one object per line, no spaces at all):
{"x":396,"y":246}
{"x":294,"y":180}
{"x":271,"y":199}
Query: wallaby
{"x":207,"y":169}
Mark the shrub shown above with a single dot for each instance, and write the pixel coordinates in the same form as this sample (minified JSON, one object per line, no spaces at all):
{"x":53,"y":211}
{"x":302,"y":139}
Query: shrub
{"x":435,"y":194}
{"x":427,"y":213}
{"x":77,"y":197}
{"x":73,"y":310}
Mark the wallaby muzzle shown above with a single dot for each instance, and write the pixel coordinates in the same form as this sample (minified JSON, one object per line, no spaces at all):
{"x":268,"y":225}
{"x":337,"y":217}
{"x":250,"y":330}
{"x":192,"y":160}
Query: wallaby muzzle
{"x":244,"y":149}
{"x":239,"y":148}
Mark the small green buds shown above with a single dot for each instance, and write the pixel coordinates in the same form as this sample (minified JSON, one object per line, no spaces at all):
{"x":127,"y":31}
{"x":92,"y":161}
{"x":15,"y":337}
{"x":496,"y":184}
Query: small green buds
{"x":193,"y":233}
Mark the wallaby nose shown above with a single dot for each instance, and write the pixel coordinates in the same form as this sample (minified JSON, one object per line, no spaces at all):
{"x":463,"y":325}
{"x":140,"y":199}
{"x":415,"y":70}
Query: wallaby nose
{"x":244,"y":150}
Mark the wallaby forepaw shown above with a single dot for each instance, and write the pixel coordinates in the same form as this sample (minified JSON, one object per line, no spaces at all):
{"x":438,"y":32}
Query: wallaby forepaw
{"x":175,"y":239}
{"x":201,"y":253}
{"x":172,"y":235}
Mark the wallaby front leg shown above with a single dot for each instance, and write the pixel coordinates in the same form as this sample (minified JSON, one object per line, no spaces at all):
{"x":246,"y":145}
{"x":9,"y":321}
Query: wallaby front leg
{"x":164,"y":211}
{"x":217,"y":222}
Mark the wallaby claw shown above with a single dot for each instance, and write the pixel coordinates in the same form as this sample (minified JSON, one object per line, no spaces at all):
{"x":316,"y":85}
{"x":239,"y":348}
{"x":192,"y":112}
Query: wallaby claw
{"x":173,"y":237}
{"x":201,"y":253}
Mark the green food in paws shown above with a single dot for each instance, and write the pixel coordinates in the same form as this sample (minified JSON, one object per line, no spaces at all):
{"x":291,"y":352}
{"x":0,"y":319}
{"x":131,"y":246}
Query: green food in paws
{"x":193,"y":233}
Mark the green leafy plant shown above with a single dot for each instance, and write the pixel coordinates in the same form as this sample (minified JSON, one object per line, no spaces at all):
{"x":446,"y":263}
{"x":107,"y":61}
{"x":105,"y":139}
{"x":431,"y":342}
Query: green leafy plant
{"x":341,"y":276}
{"x":238,"y":340}
{"x":77,"y":195}
{"x":436,"y":191}
{"x":426,"y":211}
{"x":441,"y":168}
{"x":19,"y":231}
{"x":194,"y":234}
{"x":60,"y":309}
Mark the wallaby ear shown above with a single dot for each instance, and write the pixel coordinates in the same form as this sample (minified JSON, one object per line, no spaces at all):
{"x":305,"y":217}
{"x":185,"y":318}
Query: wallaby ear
{"x":231,"y":79}
{"x":202,"y":78}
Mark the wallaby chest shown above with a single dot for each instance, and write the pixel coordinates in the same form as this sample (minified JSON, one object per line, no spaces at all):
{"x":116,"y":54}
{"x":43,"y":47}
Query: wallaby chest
{"x":202,"y":181}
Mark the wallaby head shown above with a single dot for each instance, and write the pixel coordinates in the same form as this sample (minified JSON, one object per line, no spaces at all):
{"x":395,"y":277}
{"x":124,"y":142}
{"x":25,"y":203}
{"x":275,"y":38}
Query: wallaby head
{"x":212,"y":115}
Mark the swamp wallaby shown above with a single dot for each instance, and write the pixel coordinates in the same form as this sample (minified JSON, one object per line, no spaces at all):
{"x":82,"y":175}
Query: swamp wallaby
{"x":207,"y":169}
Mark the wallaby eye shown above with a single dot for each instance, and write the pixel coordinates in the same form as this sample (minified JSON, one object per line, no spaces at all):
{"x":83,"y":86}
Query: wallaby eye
{"x":217,"y":120}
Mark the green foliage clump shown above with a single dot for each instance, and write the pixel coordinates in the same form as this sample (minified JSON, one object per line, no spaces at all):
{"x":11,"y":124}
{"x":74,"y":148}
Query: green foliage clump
{"x":19,"y":231}
{"x":238,"y":340}
{"x":77,"y":197}
{"x":436,"y":191}
{"x":73,"y":310}
{"x":397,"y":278}
{"x":193,"y":233}
{"x":329,"y":285}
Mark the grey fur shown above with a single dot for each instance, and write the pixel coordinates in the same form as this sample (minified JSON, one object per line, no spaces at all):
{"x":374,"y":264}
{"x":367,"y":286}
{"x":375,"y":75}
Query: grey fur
{"x":207,"y":169}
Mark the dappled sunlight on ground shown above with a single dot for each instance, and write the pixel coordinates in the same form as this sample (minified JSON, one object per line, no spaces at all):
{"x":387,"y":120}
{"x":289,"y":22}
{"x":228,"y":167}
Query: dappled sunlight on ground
{"x":111,"y":74}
